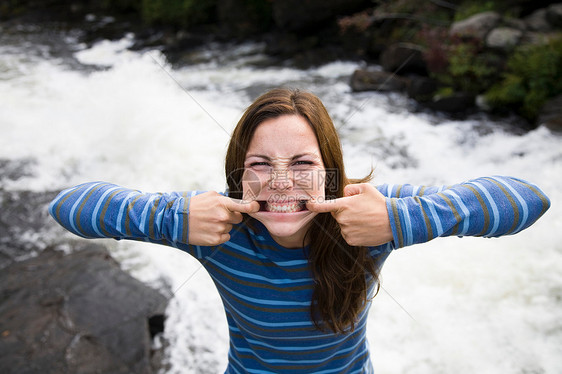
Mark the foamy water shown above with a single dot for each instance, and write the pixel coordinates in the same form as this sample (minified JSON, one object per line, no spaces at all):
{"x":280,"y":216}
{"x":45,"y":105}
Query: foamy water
{"x":451,"y":305}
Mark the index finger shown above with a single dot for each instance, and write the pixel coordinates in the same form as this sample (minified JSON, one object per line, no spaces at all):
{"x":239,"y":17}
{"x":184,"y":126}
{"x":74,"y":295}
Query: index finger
{"x":325,"y":206}
{"x":242,"y":206}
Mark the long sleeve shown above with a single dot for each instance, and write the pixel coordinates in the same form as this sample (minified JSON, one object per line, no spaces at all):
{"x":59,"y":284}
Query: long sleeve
{"x":103,"y":210}
{"x":489,"y":207}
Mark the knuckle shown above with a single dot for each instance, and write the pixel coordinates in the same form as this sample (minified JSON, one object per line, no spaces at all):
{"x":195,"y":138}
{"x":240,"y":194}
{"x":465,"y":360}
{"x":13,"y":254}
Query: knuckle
{"x":344,"y":220}
{"x":219,"y":239}
{"x":209,"y":195}
{"x":222,"y":215}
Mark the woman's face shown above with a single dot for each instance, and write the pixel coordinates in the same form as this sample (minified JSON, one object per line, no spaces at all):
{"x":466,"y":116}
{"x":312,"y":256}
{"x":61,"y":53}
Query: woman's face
{"x":283,"y":168}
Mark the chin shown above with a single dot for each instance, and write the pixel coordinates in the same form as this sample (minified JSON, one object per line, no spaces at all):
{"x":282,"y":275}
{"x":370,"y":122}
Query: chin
{"x":286,"y":227}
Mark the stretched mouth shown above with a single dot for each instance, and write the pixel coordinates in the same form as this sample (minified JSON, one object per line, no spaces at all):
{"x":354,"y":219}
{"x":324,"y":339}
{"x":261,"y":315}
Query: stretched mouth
{"x":283,"y":207}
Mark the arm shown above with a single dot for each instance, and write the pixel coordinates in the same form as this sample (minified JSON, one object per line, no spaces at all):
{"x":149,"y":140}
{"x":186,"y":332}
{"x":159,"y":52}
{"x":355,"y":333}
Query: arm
{"x":103,"y":210}
{"x":182,"y":220}
{"x":488,"y":207}
{"x":408,"y":215}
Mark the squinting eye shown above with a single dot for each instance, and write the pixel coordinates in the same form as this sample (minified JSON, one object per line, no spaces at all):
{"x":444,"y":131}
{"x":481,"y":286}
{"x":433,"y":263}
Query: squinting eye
{"x":259,"y":164}
{"x":303,"y":163}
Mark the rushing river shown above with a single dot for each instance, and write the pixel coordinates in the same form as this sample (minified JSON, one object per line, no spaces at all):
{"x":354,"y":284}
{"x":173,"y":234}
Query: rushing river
{"x":449,"y":306}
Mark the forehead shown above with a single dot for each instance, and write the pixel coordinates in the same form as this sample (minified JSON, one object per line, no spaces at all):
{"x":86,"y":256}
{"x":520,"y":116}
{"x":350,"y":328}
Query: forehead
{"x":284,"y":134}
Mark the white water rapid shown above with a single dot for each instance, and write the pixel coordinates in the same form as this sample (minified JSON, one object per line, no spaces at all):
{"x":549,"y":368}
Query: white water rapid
{"x":449,"y":306}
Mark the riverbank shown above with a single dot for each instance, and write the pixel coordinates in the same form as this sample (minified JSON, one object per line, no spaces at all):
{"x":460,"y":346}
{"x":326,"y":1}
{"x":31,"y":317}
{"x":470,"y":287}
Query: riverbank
{"x":497,"y":57}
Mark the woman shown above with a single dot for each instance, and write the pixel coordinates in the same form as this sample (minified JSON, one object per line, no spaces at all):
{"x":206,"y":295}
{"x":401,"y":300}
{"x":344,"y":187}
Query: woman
{"x":294,"y":247}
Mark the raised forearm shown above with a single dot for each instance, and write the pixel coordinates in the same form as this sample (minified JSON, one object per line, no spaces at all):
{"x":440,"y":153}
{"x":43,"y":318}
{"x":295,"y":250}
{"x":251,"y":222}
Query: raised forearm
{"x":103,"y":210}
{"x":490,"y":207}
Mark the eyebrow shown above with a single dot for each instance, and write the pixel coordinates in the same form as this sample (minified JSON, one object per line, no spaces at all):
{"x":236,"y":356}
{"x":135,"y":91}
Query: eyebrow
{"x":292,"y":158}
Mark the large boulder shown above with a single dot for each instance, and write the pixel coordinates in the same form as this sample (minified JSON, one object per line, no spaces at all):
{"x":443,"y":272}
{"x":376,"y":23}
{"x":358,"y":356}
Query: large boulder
{"x":458,"y":102}
{"x":25,"y":225}
{"x":365,"y":80}
{"x":76,"y":313}
{"x":477,"y":26}
{"x":503,"y":38}
{"x":422,"y":89}
{"x":66,"y":306}
{"x":403,"y":58}
{"x":537,"y":21}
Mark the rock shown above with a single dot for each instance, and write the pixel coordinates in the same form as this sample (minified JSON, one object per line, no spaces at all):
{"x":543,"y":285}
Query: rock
{"x":299,"y":51}
{"x":403,"y":58}
{"x":503,"y":38}
{"x":364,"y":80}
{"x":477,"y":26}
{"x":295,"y":15}
{"x":67,"y":307}
{"x":75,"y":313}
{"x":550,"y":114}
{"x":25,"y":225}
{"x":554,"y":15}
{"x":458,"y":102}
{"x":11,"y":170}
{"x":515,"y":23}
{"x":422,"y":89}
{"x":536,"y":21}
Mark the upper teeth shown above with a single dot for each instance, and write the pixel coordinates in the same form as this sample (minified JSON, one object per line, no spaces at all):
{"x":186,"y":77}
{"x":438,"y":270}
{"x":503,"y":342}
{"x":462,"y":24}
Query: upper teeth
{"x":285,"y":208}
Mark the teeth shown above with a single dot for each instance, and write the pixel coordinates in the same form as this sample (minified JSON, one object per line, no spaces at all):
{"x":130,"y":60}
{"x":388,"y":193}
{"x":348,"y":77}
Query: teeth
{"x":282,"y":207}
{"x":285,"y":208}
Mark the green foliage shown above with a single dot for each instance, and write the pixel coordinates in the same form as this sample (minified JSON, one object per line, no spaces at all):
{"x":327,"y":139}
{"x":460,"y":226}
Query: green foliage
{"x":179,"y":13}
{"x":533,"y":75}
{"x":444,"y":92}
{"x":467,"y":68}
{"x":470,"y":8}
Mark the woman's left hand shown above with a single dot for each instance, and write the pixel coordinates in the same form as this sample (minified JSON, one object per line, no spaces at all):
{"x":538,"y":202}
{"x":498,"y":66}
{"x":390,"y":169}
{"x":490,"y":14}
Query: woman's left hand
{"x":361,"y":214}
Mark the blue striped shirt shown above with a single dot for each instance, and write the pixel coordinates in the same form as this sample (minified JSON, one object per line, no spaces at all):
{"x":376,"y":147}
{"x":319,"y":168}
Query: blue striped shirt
{"x":266,"y":289}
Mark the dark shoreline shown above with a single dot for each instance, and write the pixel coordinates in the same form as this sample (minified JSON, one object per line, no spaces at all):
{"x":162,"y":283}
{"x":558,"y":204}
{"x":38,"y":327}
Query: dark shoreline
{"x":412,"y":48}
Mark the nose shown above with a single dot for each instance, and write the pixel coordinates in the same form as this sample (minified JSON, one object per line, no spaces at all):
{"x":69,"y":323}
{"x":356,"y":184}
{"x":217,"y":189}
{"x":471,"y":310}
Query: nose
{"x":280,"y":180}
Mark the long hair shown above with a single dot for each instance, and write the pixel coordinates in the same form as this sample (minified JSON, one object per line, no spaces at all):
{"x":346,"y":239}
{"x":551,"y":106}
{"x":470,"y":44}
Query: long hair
{"x":342,"y":273}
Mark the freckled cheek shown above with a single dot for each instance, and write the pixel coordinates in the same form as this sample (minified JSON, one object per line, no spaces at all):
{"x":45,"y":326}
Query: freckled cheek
{"x":254,"y":184}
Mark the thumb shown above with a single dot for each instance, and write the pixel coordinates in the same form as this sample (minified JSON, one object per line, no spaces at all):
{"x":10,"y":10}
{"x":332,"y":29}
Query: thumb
{"x":353,"y":189}
{"x":242,"y":206}
{"x":324,"y":206}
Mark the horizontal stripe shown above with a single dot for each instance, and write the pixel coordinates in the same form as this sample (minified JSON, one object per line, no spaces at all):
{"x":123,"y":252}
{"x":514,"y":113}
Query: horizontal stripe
{"x":218,"y":272}
{"x":259,"y":277}
{"x":266,"y":290}
{"x":263,"y":301}
{"x":254,"y":258}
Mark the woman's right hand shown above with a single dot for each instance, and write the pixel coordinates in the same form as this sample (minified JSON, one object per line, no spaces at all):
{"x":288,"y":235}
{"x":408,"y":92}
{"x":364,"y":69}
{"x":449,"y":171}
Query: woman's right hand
{"x":212,"y":215}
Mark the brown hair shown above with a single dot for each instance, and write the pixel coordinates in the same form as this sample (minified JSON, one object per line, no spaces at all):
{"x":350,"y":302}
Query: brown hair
{"x":341,"y":272}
